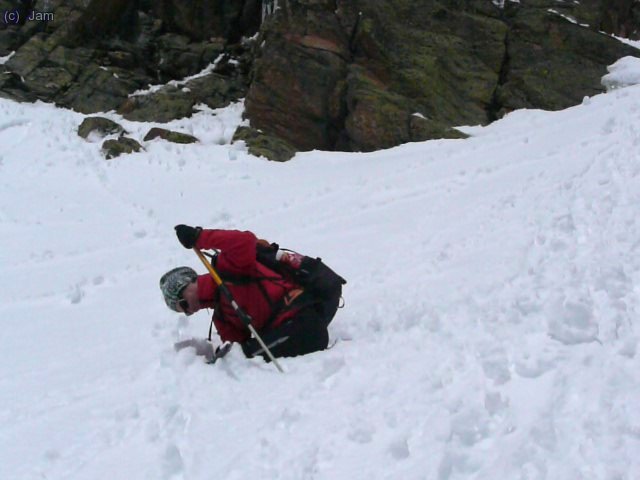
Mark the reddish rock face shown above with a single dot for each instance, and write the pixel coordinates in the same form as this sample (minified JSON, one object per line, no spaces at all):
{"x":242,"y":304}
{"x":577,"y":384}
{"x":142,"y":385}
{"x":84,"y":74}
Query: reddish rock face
{"x":299,"y":96}
{"x":323,"y":80}
{"x":371,"y":74}
{"x":299,"y":80}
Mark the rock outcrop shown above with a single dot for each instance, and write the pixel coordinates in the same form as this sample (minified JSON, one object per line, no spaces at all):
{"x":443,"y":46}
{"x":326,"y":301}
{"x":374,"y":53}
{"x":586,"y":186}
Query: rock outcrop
{"x":100,"y":127}
{"x":113,"y":148}
{"x":264,"y":145}
{"x":364,"y":75}
{"x":91,"y":56}
{"x":204,"y":19}
{"x":317,"y":74}
{"x":620,"y":17}
{"x":169,"y":136}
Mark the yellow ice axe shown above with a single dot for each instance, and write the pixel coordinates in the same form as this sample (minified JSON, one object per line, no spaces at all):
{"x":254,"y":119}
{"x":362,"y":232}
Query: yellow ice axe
{"x":246,"y":319}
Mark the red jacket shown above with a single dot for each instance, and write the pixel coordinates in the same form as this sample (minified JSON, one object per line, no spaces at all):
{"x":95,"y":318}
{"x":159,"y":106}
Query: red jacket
{"x":238,"y":257}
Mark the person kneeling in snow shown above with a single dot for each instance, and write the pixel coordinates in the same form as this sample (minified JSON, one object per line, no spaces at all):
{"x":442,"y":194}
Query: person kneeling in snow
{"x":290,"y":298}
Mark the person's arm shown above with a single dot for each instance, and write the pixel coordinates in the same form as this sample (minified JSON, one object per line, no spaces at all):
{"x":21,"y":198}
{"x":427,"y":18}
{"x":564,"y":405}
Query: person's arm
{"x":237,"y":249}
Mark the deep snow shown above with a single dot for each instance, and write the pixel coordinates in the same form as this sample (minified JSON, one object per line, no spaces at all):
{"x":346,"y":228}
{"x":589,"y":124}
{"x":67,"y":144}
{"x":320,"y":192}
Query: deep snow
{"x":491,"y":320}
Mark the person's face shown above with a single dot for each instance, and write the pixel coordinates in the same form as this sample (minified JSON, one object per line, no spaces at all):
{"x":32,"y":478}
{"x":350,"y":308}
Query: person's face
{"x":189,"y":303}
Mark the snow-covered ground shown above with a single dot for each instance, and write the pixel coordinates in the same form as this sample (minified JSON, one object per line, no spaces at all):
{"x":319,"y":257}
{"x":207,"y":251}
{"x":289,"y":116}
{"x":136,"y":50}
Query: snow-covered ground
{"x":491,"y":322}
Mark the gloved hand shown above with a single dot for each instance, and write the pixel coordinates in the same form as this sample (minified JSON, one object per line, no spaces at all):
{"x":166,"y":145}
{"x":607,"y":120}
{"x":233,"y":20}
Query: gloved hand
{"x":187,"y":235}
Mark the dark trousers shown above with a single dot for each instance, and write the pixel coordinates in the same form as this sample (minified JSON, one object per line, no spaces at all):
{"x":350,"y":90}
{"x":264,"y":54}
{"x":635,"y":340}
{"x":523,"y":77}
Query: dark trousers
{"x":306,"y":331}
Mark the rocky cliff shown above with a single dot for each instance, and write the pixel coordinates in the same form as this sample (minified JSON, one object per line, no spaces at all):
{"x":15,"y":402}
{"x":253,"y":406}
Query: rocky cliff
{"x":316,"y":74}
{"x":92,"y":55}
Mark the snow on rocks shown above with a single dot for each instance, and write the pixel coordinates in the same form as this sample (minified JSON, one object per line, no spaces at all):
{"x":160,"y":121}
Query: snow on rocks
{"x":623,"y":73}
{"x":6,"y":58}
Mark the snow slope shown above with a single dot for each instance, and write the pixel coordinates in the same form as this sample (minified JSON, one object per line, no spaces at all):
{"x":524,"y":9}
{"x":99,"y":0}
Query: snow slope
{"x":490,"y":328}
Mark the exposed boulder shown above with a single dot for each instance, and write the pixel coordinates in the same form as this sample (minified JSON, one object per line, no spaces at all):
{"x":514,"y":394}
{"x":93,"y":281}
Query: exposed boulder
{"x":116,"y":147}
{"x":261,"y":144}
{"x":161,"y":106}
{"x":170,"y":136}
{"x":100,"y":126}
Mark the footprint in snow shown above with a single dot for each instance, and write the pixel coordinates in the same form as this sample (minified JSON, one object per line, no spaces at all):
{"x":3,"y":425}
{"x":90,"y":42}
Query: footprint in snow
{"x":172,"y":462}
{"x":361,"y":433}
{"x":529,"y":366}
{"x":495,"y":365}
{"x":470,"y":427}
{"x":399,"y":449}
{"x":76,"y":294}
{"x":330,"y":367}
{"x":572,"y":322}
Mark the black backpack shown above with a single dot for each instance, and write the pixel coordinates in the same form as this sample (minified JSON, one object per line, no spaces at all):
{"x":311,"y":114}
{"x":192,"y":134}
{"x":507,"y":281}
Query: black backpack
{"x":312,"y":275}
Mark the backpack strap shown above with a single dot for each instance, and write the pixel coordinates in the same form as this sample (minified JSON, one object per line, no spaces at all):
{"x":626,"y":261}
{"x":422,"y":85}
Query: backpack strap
{"x":233,"y":279}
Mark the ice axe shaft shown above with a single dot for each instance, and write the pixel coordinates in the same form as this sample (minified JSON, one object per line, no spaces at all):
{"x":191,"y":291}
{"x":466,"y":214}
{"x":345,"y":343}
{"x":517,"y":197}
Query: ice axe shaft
{"x":246,"y":319}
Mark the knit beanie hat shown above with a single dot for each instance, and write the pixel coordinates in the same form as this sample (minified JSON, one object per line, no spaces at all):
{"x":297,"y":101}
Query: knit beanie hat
{"x":174,"y":282}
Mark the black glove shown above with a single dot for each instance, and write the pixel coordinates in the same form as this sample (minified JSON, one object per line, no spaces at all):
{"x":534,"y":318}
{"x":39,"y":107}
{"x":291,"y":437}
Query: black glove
{"x":187,"y":235}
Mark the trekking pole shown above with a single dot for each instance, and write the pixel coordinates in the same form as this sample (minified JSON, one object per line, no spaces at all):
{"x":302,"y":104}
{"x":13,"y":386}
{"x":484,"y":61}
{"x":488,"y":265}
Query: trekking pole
{"x":246,"y":319}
